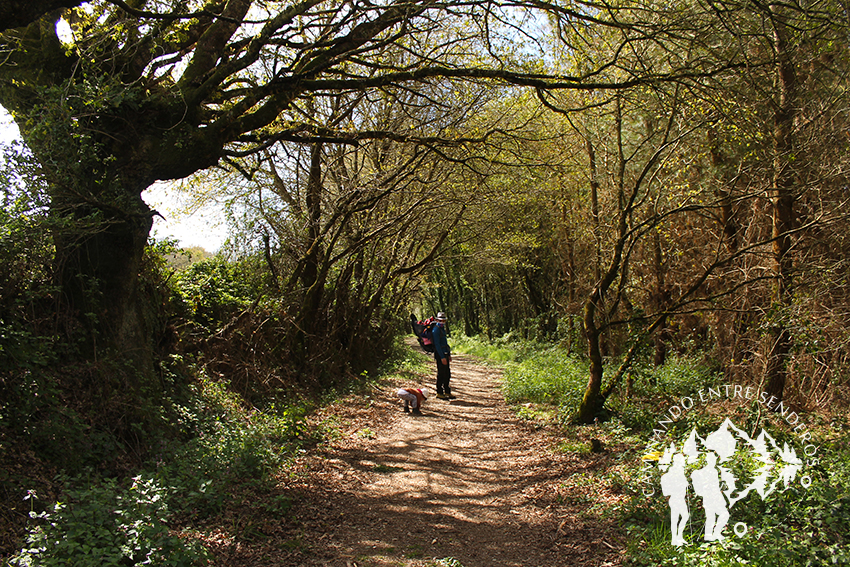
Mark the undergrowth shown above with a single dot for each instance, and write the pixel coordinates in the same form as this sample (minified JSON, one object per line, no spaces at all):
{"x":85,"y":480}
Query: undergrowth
{"x":794,"y":525}
{"x":498,"y":352}
{"x":218,"y":446}
{"x":221,"y":445}
{"x":105,"y":523}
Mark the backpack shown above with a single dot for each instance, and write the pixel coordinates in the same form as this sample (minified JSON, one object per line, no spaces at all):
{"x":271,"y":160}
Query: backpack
{"x":424,"y":331}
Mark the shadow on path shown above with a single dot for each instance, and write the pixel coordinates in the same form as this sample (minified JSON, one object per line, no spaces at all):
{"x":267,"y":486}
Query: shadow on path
{"x":466,"y":480}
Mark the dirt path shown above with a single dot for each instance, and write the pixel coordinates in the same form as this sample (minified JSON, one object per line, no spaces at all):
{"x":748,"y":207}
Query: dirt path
{"x":465,"y":480}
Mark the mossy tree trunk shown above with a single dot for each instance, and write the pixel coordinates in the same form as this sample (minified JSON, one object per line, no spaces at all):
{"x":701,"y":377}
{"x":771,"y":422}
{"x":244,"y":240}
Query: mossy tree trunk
{"x":106,"y":119}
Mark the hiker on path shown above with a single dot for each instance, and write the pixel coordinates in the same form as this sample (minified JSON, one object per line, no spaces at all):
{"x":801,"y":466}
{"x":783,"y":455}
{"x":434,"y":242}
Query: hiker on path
{"x":413,"y":397}
{"x":443,"y":356}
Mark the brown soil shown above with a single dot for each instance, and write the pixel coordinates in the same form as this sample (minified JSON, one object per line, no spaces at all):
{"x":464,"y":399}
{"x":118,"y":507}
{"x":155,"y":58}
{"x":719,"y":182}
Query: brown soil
{"x":466,"y":480}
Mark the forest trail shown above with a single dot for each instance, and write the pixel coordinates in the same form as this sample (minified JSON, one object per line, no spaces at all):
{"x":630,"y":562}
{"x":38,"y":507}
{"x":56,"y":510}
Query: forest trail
{"x":466,"y":480}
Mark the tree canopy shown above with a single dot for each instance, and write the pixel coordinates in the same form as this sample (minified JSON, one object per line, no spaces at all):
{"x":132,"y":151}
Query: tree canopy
{"x":318,"y":113}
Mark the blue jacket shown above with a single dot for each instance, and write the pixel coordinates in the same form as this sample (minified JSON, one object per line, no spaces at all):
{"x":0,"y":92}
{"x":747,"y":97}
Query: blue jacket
{"x":441,"y":343}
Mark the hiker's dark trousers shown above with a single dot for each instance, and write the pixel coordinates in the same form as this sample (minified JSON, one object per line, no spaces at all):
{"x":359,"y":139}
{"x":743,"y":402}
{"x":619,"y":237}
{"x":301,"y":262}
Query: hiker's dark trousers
{"x":444,"y":374}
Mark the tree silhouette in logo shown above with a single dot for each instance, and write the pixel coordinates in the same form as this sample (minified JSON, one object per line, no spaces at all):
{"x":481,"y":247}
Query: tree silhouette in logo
{"x":714,"y":482}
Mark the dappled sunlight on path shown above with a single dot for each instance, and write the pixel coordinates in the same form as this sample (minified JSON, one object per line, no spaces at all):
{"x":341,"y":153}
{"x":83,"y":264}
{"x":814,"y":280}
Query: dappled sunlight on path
{"x":466,"y":479}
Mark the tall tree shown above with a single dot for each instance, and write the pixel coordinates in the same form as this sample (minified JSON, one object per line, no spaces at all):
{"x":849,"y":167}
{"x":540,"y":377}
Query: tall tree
{"x":153,"y":91}
{"x":159,"y":89}
{"x":782,"y":195}
{"x":786,"y":45}
{"x":344,"y":224}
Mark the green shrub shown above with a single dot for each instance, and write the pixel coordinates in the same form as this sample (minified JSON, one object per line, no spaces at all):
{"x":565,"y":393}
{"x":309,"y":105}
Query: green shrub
{"x":499,"y":352}
{"x":546,"y":377}
{"x":26,"y":258}
{"x":223,"y":444}
{"x":656,"y":387}
{"x":226,"y":444}
{"x":678,"y":376}
{"x":214,"y":290}
{"x":104,"y":524}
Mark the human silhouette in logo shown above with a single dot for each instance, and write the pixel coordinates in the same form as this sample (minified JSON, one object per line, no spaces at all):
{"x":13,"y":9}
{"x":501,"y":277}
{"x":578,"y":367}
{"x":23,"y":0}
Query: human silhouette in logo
{"x":674,"y":485}
{"x":706,"y":482}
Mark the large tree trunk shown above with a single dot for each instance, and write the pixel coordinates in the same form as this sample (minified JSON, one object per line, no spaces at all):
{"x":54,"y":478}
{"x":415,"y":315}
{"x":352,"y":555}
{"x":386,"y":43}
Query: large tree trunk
{"x":592,"y":401}
{"x":98,"y":269}
{"x":307,"y":279}
{"x":782,"y":201}
{"x":18,"y":13}
{"x":313,"y":274}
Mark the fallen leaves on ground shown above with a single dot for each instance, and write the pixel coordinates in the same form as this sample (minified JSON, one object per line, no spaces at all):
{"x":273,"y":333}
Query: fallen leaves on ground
{"x":467,"y":480}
